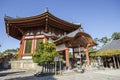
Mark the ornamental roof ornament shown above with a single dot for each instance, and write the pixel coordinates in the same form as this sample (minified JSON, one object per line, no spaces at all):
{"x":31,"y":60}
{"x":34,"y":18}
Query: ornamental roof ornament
{"x":46,"y":10}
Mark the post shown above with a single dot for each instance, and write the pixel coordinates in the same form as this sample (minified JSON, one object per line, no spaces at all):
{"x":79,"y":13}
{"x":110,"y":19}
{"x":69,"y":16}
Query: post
{"x":55,"y":66}
{"x":60,"y":66}
{"x":118,"y":62}
{"x":114,"y":62}
{"x":73,"y":53}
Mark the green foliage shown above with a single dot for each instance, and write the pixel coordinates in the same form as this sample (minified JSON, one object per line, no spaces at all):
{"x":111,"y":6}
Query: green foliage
{"x":92,"y":54}
{"x":38,"y":52}
{"x":45,"y":52}
{"x":71,"y":55}
{"x":15,"y":56}
{"x":96,"y":40}
{"x":116,"y":35}
{"x":1,"y":54}
{"x":92,"y":49}
{"x":10,"y":51}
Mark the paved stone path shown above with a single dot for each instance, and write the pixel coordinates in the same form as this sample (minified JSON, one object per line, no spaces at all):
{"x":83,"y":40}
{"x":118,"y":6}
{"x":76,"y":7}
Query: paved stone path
{"x":68,"y":75}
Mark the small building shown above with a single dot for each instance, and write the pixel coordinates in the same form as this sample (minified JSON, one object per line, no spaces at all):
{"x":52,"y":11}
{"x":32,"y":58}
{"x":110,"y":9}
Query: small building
{"x":110,"y":54}
{"x":47,"y":27}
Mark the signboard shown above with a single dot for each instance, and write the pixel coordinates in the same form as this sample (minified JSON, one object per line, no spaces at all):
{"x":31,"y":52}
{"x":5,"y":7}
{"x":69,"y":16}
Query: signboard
{"x":79,"y":49}
{"x":57,"y":59}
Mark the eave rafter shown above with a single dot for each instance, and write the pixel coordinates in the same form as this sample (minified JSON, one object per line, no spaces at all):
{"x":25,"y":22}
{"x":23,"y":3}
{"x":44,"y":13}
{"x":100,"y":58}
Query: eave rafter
{"x":22,"y":31}
{"x":51,"y":23}
{"x":30,"y":24}
{"x":76,"y":44}
{"x":17,"y":35}
{"x":87,"y":38}
{"x":79,"y":41}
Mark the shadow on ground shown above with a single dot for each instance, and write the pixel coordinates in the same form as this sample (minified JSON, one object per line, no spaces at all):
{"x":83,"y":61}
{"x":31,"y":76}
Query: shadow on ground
{"x":34,"y":77}
{"x":9,"y":73}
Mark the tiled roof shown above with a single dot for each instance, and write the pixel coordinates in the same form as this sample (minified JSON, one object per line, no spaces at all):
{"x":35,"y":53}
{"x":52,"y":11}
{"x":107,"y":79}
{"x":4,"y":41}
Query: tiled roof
{"x":113,"y":45}
{"x":71,"y":35}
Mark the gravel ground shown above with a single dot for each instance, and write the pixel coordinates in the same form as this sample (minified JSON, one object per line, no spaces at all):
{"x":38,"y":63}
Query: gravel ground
{"x":107,"y":74}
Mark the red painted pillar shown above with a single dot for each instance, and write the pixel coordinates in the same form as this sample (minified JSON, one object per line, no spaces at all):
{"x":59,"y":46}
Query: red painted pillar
{"x":33,"y":45}
{"x":21,"y":48}
{"x":20,"y":51}
{"x":87,"y":55}
{"x":67,"y":57}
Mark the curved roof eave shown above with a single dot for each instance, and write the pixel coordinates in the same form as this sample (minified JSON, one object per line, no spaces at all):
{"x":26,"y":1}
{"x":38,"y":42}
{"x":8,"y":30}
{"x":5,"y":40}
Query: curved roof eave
{"x":38,"y":17}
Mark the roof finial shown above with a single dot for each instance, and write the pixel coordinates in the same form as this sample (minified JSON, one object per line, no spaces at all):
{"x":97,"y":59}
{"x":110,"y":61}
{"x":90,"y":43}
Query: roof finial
{"x":46,"y":9}
{"x":5,"y":15}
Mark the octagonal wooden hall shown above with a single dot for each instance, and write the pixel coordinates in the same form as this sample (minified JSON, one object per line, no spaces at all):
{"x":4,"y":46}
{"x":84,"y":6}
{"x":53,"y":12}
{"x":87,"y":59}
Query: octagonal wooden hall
{"x":47,"y":27}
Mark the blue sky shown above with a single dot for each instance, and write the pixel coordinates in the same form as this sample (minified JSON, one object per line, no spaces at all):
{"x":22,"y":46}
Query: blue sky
{"x":99,"y":18}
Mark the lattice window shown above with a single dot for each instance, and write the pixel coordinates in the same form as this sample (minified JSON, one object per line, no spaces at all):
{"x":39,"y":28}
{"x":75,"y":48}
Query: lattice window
{"x":28,"y":46}
{"x":38,"y":41}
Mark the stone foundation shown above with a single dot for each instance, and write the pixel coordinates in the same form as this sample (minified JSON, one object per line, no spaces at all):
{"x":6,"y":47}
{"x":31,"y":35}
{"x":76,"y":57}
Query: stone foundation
{"x":25,"y":64}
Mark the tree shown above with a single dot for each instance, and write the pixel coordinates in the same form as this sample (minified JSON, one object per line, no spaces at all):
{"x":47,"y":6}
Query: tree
{"x":38,"y":52}
{"x":45,"y":52}
{"x":1,"y":54}
{"x":116,"y":35}
{"x":104,"y":40}
{"x":96,"y":40}
{"x":10,"y":51}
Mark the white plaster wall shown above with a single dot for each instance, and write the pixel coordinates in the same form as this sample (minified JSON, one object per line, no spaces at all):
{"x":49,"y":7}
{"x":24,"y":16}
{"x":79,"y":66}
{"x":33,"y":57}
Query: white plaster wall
{"x":60,"y":47}
{"x":27,"y":57}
